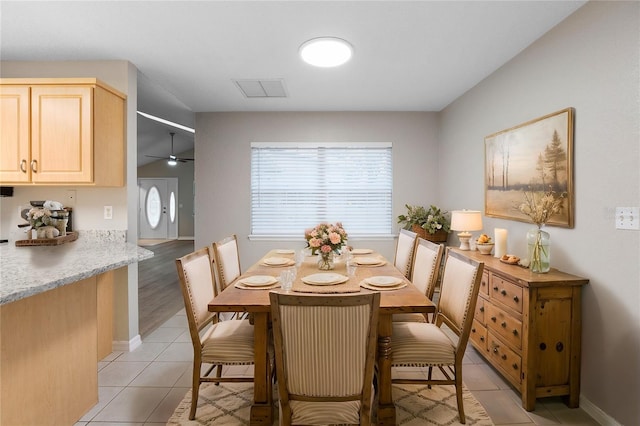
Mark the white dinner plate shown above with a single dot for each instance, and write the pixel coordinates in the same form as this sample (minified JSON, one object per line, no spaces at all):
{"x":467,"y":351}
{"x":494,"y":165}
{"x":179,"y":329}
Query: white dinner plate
{"x":383,"y":281}
{"x":324,"y":278}
{"x":285,"y":251}
{"x":361,"y":251}
{"x":276,"y":261}
{"x":368,"y":260}
{"x":259,"y":280}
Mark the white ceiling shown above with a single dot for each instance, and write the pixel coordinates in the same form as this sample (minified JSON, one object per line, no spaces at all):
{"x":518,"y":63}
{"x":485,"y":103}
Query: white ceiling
{"x":409,"y":55}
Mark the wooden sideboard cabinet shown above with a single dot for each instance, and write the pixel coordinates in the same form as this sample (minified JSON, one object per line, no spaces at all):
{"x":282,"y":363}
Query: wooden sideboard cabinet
{"x":61,"y":131}
{"x":528,"y":327}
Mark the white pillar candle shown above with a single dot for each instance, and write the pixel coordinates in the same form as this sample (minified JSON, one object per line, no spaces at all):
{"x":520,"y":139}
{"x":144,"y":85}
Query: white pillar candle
{"x":500,"y":238}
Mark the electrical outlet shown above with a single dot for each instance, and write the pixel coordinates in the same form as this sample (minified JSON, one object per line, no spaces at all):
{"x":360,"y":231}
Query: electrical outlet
{"x":628,"y":218}
{"x":108,"y":212}
{"x":71,"y":198}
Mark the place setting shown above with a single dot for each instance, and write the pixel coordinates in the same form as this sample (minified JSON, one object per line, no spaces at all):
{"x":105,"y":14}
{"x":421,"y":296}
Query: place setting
{"x":277,"y":261}
{"x":258,"y":282}
{"x":383,"y":283}
{"x":369,"y":261}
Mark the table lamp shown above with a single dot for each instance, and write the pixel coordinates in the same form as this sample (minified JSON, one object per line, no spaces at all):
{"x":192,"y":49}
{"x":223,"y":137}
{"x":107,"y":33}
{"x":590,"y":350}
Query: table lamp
{"x":465,"y":221}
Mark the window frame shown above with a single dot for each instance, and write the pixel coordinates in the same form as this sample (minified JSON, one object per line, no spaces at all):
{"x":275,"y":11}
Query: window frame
{"x":389,"y":234}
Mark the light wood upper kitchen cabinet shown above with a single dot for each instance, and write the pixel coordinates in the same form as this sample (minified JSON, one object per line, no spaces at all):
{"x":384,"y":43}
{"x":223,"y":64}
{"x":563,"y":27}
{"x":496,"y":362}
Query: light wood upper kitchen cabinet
{"x":61,"y":132}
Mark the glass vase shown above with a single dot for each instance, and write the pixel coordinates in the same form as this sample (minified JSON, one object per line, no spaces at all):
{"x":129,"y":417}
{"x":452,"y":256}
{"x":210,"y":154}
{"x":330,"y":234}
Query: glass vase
{"x":538,"y":250}
{"x":325,"y":261}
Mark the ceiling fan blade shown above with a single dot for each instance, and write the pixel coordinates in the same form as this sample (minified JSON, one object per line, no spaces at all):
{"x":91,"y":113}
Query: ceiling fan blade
{"x":184,"y":160}
{"x":154,"y":156}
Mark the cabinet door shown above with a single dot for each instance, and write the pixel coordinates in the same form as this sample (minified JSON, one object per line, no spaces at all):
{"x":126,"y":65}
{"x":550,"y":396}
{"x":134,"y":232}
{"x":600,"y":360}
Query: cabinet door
{"x":14,"y":134}
{"x":61,"y":134}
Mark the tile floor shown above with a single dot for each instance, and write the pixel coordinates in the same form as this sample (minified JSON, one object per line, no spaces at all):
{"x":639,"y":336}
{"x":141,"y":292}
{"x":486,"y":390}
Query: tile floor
{"x":144,"y":387}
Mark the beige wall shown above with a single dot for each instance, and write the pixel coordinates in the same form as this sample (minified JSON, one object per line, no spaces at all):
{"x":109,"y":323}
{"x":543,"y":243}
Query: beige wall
{"x":588,"y":62}
{"x":222,"y":168}
{"x":184,"y":173}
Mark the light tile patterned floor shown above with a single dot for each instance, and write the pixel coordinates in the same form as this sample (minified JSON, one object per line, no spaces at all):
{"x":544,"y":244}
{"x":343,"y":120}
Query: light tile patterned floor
{"x":144,"y":387}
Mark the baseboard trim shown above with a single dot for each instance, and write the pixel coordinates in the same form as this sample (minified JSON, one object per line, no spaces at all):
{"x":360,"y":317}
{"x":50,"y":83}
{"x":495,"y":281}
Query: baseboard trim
{"x":187,"y":238}
{"x":598,"y":415}
{"x":127,"y":346}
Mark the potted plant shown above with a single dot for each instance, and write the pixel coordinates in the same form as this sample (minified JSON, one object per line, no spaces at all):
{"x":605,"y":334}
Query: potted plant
{"x":431,"y":224}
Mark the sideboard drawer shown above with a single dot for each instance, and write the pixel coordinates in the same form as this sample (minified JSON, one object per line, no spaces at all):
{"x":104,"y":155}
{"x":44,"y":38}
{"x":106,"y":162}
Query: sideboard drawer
{"x":503,"y":324}
{"x":504,"y":358}
{"x":478,"y":336}
{"x":484,"y":283}
{"x":506,"y":292}
{"x":479,"y":313}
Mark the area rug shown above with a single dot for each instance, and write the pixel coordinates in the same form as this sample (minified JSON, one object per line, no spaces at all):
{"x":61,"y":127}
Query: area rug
{"x":229,"y":404}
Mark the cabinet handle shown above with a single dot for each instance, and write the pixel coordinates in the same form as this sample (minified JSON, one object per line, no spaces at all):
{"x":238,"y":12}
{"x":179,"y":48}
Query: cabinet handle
{"x":34,"y":166}
{"x":515,"y":299}
{"x":503,"y":292}
{"x":23,"y":166}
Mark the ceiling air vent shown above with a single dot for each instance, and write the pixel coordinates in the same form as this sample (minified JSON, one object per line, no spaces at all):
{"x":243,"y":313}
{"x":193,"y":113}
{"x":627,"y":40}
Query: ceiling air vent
{"x":273,"y":88}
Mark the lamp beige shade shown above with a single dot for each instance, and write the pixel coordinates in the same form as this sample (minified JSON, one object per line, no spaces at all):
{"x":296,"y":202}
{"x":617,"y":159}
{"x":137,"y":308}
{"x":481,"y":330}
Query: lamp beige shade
{"x":466,"y":220}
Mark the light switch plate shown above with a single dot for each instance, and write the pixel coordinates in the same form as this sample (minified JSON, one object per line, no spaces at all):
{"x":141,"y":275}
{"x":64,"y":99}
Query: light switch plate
{"x":628,"y":218}
{"x":108,"y":212}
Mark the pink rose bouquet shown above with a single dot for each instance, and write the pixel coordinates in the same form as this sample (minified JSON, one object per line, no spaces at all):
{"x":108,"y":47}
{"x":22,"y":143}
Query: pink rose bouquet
{"x":326,"y":238}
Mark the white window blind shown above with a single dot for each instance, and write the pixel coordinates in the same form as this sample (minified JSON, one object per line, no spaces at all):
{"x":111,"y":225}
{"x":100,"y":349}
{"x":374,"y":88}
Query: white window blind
{"x":296,"y":186}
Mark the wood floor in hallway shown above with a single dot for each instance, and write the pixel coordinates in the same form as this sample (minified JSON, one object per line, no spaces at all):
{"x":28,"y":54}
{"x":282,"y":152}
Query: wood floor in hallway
{"x":159,"y":295}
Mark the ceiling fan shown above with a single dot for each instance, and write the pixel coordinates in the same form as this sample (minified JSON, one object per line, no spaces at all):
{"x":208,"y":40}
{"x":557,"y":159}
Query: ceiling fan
{"x":172,"y":160}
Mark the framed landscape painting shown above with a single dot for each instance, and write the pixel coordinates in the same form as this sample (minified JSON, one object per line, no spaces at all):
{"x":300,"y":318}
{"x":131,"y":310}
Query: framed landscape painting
{"x":536,"y":156}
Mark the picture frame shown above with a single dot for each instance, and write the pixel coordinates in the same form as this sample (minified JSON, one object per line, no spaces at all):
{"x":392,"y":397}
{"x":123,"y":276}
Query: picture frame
{"x":536,"y":156}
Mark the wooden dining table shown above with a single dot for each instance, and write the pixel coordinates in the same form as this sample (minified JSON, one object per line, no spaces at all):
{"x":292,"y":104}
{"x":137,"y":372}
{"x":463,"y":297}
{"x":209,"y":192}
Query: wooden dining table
{"x":255,"y":301}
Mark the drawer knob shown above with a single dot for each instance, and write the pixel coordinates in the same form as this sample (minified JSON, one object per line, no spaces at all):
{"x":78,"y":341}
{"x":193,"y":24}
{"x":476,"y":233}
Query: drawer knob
{"x":482,"y":309}
{"x":543,"y":346}
{"x":495,"y":288}
{"x":503,"y":292}
{"x":515,"y":299}
{"x":473,"y":330}
{"x":482,"y":338}
{"x":494,"y":319}
{"x":515,"y":366}
{"x":515,"y":332}
{"x":495,"y":349}
{"x":504,"y":325}
{"x":504,"y":357}
{"x":559,"y":346}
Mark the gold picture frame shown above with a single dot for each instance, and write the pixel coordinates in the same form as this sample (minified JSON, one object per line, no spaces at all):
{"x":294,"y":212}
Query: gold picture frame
{"x":534,"y":156}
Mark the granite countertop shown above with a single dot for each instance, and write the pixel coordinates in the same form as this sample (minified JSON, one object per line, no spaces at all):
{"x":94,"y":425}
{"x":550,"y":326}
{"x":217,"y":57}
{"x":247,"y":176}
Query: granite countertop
{"x":27,"y":271}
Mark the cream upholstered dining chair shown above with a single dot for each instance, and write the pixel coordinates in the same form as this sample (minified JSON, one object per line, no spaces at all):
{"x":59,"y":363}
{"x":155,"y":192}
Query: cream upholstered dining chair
{"x":214,"y":342}
{"x":325,"y":348}
{"x":425,"y":271}
{"x":226,"y":257}
{"x":427,"y":344}
{"x":404,"y":251}
{"x":226,"y":260}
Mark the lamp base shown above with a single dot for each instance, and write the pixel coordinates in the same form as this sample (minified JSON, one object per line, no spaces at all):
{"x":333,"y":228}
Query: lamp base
{"x":464,"y":240}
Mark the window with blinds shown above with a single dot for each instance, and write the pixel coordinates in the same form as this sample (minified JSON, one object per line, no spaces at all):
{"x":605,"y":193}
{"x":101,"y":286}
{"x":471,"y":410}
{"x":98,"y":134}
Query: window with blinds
{"x":295,"y":186}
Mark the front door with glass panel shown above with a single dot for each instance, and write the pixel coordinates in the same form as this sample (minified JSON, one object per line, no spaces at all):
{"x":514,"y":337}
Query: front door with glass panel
{"x":157,"y":208}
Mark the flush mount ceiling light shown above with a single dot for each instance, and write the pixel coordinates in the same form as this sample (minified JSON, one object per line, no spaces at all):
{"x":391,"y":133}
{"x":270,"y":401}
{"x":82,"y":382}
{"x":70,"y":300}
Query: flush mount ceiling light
{"x":326,"y":52}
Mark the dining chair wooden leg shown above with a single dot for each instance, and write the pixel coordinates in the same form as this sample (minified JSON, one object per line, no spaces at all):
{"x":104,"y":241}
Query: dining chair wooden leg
{"x":195,"y":387}
{"x":459,"y":397}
